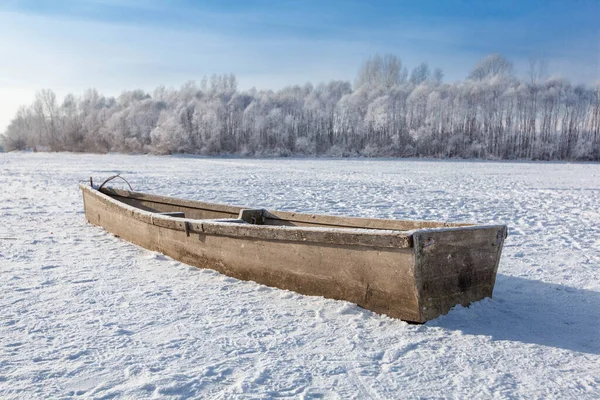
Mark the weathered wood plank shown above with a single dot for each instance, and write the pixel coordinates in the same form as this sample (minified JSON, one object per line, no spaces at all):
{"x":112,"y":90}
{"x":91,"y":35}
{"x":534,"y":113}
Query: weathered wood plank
{"x":342,"y":236}
{"x":202,"y":210}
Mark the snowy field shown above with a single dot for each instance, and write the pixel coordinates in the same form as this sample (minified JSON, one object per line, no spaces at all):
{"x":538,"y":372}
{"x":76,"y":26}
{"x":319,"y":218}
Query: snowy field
{"x":84,"y":314}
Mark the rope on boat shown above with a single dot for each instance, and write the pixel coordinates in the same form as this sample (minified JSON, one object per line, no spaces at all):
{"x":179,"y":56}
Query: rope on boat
{"x":110,"y":179}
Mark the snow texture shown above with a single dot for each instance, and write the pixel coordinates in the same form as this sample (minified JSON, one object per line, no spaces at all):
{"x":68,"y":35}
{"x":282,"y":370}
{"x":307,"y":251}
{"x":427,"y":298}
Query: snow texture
{"x":86,"y":314}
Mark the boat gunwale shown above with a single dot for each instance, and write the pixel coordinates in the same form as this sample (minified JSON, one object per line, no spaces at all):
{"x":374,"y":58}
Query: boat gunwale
{"x":291,"y":216}
{"x":354,"y":236}
{"x":173,"y":201}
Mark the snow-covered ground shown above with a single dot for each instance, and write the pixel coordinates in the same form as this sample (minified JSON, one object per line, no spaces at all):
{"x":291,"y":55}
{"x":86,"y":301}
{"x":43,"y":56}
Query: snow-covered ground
{"x":86,"y":314}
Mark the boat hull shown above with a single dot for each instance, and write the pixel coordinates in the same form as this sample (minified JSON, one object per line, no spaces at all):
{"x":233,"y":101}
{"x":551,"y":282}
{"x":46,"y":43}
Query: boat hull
{"x":413,"y":275}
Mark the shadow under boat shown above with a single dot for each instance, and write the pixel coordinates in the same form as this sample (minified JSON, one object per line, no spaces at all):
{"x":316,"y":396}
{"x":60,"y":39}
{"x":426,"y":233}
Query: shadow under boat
{"x":535,"y":312}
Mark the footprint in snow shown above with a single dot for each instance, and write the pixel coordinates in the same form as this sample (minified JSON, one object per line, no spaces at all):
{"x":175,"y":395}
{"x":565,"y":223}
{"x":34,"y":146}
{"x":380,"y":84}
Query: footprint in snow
{"x":156,"y":256}
{"x":124,"y":332}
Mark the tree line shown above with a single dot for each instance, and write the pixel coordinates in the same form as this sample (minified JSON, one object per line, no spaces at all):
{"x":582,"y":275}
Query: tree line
{"x":386,"y":112}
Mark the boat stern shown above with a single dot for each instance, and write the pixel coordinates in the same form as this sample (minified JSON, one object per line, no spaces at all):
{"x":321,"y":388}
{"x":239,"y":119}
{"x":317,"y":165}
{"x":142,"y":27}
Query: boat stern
{"x":455,"y":266}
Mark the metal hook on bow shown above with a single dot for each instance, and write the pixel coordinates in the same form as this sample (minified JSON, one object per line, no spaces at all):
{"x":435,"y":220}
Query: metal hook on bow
{"x":110,"y":179}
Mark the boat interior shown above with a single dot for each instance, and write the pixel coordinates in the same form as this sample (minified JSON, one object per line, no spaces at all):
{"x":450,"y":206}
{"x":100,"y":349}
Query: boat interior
{"x":197,"y":210}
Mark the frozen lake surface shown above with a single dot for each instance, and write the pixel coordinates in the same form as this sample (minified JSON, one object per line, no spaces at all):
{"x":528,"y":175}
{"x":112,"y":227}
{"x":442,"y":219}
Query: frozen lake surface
{"x":86,"y":314}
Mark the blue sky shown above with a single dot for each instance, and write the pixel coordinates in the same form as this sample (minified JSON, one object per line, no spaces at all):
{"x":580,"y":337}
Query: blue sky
{"x":114,"y":45}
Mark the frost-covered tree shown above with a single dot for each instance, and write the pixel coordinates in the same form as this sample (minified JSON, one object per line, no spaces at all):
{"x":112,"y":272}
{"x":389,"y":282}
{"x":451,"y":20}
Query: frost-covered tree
{"x":438,"y":76}
{"x":420,"y":74}
{"x":382,"y":72}
{"x":494,"y":64}
{"x":492,"y":114}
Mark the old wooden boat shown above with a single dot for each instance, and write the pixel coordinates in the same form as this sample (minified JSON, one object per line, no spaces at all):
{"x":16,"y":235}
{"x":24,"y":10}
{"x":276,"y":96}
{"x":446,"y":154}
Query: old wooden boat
{"x":412,"y":270}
